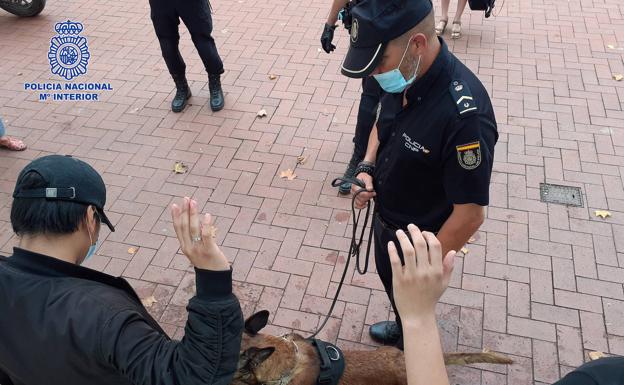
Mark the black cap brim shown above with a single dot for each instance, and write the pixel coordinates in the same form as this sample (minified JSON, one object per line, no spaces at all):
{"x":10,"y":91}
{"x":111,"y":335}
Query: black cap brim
{"x":105,"y":219}
{"x":361,"y":62}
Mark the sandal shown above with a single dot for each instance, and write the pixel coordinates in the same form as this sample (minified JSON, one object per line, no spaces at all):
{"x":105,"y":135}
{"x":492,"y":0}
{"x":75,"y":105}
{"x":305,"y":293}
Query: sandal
{"x":456,"y":31}
{"x":12,"y":144}
{"x":441,"y":27}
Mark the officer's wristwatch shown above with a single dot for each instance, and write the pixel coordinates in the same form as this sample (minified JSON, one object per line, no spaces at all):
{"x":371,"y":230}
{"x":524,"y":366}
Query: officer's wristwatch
{"x":365,"y":167}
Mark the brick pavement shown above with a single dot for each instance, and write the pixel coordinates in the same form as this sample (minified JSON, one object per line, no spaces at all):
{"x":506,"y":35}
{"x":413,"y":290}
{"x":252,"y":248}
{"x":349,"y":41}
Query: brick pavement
{"x":541,"y":283}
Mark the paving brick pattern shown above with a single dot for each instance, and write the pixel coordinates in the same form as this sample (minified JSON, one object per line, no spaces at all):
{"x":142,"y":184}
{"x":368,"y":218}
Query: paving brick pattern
{"x":541,"y":283}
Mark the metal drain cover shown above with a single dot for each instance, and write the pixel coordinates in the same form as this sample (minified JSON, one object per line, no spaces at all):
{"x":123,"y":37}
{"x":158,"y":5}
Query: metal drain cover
{"x":563,"y":195}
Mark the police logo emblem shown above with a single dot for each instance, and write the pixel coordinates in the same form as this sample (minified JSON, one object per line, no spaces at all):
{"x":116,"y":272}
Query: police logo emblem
{"x":469,"y":155}
{"x":354,"y":30}
{"x":69,"y":54}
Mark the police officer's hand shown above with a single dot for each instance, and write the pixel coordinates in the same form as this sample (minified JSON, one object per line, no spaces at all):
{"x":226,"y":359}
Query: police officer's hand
{"x":419,"y":284}
{"x":362,"y":198}
{"x":196,"y":237}
{"x":327,"y":37}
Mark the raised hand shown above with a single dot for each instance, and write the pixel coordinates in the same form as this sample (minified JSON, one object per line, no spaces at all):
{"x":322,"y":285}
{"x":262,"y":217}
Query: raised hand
{"x":196,"y":237}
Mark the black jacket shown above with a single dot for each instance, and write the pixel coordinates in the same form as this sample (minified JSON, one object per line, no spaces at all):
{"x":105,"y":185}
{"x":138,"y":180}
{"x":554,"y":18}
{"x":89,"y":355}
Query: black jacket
{"x":605,"y":371}
{"x":65,"y":324}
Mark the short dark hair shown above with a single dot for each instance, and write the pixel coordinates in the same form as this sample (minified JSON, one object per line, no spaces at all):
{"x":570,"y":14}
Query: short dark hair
{"x":35,"y":216}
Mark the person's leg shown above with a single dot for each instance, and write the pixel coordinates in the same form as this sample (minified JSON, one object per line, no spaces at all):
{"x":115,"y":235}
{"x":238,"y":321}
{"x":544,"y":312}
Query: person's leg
{"x":456,"y":31}
{"x":166,"y":22}
{"x":386,"y":332}
{"x":367,"y":114}
{"x":441,"y":26}
{"x":8,"y":142}
{"x":196,"y":16}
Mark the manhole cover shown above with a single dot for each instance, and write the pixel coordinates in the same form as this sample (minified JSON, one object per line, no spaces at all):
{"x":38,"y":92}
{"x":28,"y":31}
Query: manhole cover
{"x":563,"y":195}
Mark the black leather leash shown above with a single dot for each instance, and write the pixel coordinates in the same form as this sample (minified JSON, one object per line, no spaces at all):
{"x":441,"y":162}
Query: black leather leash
{"x":354,"y":248}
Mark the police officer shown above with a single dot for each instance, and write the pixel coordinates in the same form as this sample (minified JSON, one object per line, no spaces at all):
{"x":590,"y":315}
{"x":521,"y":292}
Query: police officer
{"x":195,"y":14}
{"x":371,"y":92}
{"x":430,"y":156}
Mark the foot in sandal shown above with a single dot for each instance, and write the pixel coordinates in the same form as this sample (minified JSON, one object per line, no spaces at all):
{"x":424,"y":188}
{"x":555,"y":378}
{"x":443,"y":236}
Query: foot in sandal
{"x":12,"y":144}
{"x":441,"y":27}
{"x":456,"y":31}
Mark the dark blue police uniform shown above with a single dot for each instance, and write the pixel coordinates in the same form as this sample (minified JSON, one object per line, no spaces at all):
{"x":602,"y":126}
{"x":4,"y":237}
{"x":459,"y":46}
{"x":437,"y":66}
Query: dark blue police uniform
{"x":434,"y":152}
{"x":196,"y":15}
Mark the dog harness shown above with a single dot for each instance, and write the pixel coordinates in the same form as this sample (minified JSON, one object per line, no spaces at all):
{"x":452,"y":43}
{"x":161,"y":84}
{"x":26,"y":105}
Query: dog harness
{"x":332,"y":362}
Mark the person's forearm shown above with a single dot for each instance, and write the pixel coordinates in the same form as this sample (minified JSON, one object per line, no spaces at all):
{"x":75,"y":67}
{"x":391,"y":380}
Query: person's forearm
{"x":373,"y":146}
{"x":208,"y":353}
{"x":337,"y":5}
{"x":423,"y":352}
{"x":458,"y":229}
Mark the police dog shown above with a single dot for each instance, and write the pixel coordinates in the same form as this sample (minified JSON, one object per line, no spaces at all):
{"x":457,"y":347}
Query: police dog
{"x":293,"y":360}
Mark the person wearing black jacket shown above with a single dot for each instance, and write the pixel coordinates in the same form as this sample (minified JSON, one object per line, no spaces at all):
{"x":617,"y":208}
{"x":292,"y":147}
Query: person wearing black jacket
{"x":62,"y":323}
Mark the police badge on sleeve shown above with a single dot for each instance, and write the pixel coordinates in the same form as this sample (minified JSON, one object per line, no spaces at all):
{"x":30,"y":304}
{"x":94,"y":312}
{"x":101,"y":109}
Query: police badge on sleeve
{"x":469,"y":155}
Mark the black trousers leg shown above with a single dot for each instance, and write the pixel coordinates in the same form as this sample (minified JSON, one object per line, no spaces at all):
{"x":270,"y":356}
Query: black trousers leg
{"x":371,"y":93}
{"x":166,"y":21}
{"x":196,"y":16}
{"x":383,"y":235}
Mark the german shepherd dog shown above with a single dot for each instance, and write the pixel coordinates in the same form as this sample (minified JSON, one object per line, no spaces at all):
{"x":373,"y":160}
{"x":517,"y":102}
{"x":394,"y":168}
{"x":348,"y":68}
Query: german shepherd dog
{"x":293,"y":360}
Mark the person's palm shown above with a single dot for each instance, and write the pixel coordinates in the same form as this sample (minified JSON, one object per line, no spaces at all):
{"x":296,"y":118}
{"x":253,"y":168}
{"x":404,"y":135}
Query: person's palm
{"x":419,"y":284}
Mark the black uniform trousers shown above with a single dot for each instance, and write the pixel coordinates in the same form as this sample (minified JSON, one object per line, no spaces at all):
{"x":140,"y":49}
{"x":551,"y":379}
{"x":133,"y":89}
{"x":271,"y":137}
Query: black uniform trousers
{"x":385,"y":232}
{"x":367,"y":114}
{"x":195,"y":14}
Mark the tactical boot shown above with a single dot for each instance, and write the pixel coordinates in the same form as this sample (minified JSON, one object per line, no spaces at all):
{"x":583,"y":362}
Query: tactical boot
{"x":217,"y":101}
{"x":345,"y":188}
{"x":183,"y":93}
{"x":385,"y":332}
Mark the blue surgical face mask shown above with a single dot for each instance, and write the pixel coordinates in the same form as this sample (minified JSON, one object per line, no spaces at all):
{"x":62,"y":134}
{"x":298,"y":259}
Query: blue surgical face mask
{"x":393,"y":81}
{"x":91,"y":251}
{"x":92,"y":248}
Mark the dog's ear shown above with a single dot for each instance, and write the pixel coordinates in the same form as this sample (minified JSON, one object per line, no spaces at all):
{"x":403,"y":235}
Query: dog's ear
{"x":257,"y":322}
{"x":258,"y":355}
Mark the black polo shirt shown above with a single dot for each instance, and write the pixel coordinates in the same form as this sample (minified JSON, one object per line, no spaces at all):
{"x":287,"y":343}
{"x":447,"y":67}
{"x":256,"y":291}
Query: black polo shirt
{"x":437,"y":150}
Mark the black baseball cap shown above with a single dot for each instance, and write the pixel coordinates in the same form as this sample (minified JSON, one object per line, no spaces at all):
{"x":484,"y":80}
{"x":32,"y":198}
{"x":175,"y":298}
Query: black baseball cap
{"x":68,"y":179}
{"x":374,"y":24}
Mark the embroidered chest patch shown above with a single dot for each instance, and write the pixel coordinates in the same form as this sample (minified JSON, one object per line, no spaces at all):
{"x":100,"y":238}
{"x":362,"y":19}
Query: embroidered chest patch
{"x":469,"y":155}
{"x":413,"y":145}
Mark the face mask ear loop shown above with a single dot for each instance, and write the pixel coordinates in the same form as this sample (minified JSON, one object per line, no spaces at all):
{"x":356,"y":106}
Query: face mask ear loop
{"x":417,"y":66}
{"x":404,"y":53}
{"x":89,"y":232}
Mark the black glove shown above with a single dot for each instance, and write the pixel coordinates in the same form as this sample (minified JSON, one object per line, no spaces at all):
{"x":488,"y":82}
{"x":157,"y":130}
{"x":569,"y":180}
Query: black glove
{"x":327,"y":37}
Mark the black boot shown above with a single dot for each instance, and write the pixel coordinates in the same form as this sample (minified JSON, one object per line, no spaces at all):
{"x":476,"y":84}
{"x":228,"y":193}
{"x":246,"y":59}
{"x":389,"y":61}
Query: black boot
{"x":182,"y":95}
{"x":386,"y":332}
{"x":345,"y":188}
{"x":217,"y":101}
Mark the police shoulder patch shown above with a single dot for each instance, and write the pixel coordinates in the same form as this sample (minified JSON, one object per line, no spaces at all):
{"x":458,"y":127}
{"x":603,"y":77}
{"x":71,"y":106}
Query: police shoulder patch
{"x":469,"y":155}
{"x":462,"y":97}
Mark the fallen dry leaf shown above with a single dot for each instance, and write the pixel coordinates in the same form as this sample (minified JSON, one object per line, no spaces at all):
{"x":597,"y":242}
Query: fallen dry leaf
{"x":262,"y":113}
{"x":618,"y":77}
{"x":132,"y":250}
{"x":301,"y":159}
{"x":288,"y":174}
{"x":272,"y":76}
{"x":471,"y":240}
{"x":179,"y":168}
{"x":464,"y":250}
{"x":611,"y":46}
{"x":149,"y":301}
{"x":595,"y":355}
{"x":602,"y":214}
